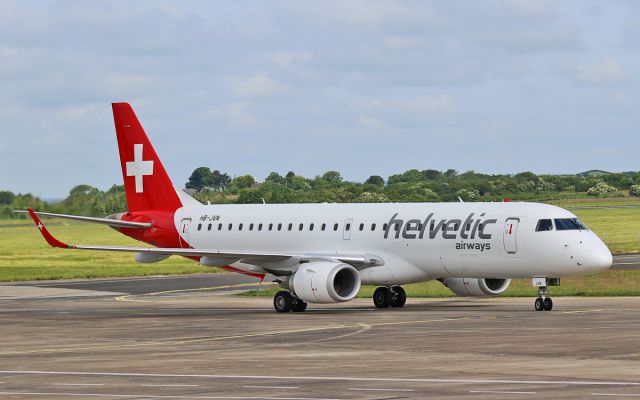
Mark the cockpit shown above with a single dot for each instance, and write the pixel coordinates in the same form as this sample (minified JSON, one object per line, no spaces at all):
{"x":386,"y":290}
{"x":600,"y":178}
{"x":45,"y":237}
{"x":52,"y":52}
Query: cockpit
{"x":561,"y":224}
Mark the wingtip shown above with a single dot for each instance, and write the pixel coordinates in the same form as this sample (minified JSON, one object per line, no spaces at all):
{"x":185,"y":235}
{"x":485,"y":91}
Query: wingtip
{"x":45,"y":232}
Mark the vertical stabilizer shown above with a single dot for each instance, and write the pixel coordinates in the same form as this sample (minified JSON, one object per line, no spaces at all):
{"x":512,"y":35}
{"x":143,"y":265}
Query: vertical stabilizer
{"x":146,"y":182}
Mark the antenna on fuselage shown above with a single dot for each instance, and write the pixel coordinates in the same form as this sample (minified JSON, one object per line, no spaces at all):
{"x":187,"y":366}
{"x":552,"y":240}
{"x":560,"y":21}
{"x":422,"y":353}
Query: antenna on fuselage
{"x":460,"y":199}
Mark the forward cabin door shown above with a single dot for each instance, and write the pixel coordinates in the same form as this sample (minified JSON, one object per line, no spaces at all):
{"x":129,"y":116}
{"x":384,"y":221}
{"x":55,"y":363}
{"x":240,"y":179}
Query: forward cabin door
{"x":510,"y":235}
{"x":348,"y":226}
{"x":184,"y":233}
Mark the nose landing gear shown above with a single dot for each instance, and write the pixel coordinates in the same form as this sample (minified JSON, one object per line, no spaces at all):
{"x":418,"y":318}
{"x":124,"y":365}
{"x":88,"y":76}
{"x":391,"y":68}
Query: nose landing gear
{"x":544,"y":302}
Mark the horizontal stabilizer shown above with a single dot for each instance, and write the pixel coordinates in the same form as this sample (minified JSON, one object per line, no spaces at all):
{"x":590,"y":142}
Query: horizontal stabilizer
{"x":107,"y":221}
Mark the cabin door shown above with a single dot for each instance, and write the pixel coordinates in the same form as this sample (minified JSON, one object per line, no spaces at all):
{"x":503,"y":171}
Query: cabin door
{"x":184,"y":233}
{"x":510,"y":235}
{"x":348,"y":226}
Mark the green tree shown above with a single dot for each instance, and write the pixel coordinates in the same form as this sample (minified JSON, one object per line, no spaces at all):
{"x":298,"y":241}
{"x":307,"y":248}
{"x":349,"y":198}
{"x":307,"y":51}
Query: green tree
{"x":199,"y":179}
{"x":333,"y":178}
{"x":243,"y":182}
{"x":275,"y":178}
{"x":6,"y":197}
{"x":634,"y":190}
{"x":375,"y":180}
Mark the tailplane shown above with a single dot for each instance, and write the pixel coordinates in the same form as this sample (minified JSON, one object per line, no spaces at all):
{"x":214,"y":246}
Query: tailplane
{"x":146,"y":182}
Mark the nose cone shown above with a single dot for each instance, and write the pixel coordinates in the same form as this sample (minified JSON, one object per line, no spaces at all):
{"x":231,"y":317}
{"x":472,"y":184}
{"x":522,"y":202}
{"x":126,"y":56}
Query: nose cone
{"x":599,"y":258}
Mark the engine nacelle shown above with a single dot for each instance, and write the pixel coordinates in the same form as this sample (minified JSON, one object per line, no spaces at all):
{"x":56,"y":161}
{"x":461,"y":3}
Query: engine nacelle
{"x":325,"y":282}
{"x":477,"y":287}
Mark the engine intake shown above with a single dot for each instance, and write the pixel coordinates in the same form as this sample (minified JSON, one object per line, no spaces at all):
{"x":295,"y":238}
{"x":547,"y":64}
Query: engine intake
{"x":325,"y":282}
{"x":477,"y":287}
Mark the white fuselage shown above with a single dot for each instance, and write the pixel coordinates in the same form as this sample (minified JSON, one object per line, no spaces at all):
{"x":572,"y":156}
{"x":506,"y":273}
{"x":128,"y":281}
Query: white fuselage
{"x":418,"y":241}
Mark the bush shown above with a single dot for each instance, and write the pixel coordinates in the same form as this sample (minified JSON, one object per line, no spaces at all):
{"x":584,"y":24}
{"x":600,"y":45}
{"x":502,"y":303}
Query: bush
{"x":634,"y":190}
{"x":601,"y":189}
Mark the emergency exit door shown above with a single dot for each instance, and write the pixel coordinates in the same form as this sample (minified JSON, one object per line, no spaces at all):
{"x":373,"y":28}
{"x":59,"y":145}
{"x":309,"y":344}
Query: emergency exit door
{"x":510,"y":235}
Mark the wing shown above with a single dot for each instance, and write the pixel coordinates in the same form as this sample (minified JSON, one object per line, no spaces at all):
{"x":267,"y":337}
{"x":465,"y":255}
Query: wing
{"x":106,"y":221}
{"x":251,"y":257}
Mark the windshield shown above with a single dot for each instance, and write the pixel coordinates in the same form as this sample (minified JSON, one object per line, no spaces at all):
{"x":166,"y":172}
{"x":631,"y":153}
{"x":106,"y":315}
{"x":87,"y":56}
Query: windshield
{"x":567,"y":224}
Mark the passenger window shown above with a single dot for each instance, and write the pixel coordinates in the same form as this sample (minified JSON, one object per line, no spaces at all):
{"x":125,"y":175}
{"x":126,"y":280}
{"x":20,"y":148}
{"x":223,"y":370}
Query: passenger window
{"x":361,"y":226}
{"x":230,"y":226}
{"x":544,"y":225}
{"x":270,"y":227}
{"x":240,"y":227}
{"x":384,"y":227}
{"x":335,"y":227}
{"x":199,"y":226}
{"x":251,"y":226}
{"x":396,"y":227}
{"x":347,"y":227}
{"x":209,"y":227}
{"x":260,"y":227}
{"x":373,"y":227}
{"x":220,"y":226}
{"x":300,"y":227}
{"x":324,"y":226}
{"x":279,"y":227}
{"x":290,"y":226}
{"x":310,"y":227}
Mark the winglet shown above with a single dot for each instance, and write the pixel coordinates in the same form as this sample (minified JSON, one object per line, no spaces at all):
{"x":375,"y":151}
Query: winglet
{"x":47,"y":236}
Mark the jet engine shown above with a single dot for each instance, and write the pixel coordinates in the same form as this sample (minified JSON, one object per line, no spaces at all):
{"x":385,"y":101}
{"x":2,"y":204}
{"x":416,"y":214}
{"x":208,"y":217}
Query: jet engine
{"x":325,"y":282}
{"x":476,"y":287}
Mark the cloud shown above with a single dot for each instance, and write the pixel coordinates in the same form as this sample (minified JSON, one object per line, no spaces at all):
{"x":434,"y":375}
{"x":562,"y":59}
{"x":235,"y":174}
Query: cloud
{"x":257,"y":86}
{"x":427,"y":105}
{"x":369,"y":122}
{"x":237,"y":113}
{"x":289,"y":59}
{"x":606,"y":72}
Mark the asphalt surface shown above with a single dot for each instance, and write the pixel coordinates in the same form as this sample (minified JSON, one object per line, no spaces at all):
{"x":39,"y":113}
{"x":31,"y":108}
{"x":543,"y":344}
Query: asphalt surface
{"x":191,"y":282}
{"x":191,"y":338}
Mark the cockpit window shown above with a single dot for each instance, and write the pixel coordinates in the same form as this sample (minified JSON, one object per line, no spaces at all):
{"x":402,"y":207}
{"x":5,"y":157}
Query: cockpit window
{"x":544,"y":225}
{"x":568,"y":224}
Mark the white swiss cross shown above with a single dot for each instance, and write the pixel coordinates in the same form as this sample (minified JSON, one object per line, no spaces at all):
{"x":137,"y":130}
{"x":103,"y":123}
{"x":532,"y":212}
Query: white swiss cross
{"x":138,"y":167}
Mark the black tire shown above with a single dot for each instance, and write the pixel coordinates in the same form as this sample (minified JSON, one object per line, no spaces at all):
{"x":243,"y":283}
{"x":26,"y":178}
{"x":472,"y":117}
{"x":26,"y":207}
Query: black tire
{"x":399,"y":298}
{"x":282,"y":302}
{"x":298,"y":306}
{"x":382,"y":297}
{"x":539,"y":304}
{"x":547,"y":304}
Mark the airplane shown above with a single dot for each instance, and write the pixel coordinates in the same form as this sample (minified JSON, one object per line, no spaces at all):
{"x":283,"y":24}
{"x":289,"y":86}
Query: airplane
{"x":323,"y":253}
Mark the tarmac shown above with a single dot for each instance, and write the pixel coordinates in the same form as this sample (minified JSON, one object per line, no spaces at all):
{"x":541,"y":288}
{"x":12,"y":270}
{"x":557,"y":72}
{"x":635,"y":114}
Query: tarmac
{"x":192,"y":337}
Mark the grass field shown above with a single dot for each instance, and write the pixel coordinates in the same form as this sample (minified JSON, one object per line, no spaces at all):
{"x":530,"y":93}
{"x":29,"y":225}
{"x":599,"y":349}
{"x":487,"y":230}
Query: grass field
{"x":25,"y":256}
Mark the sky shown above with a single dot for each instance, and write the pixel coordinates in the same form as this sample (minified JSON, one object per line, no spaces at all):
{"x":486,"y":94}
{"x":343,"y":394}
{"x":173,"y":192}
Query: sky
{"x":361,"y":87}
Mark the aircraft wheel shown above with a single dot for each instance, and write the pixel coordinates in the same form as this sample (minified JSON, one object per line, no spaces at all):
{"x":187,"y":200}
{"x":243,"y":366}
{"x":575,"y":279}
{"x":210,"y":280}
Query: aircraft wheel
{"x":382,"y":297}
{"x":547,"y":304}
{"x":539,"y":304}
{"x":400,"y":297}
{"x":298,"y":305}
{"x":283,"y":302}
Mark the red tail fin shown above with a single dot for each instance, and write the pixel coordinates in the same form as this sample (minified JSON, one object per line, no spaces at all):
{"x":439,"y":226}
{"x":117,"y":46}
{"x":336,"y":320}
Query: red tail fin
{"x":146,"y":182}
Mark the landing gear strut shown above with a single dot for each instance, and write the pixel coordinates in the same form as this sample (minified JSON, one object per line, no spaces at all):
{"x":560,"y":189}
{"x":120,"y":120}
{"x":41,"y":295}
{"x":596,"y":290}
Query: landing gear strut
{"x":385,"y":297}
{"x":284,"y":302}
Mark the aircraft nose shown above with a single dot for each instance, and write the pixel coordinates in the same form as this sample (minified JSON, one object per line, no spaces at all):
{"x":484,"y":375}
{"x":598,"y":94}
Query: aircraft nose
{"x":600,"y":257}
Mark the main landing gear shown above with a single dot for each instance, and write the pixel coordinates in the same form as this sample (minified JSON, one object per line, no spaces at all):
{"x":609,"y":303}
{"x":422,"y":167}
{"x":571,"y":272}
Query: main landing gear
{"x":284,"y":302}
{"x":385,"y":297}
